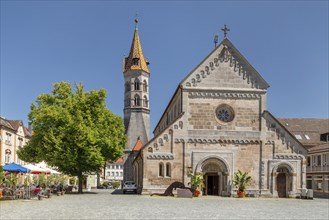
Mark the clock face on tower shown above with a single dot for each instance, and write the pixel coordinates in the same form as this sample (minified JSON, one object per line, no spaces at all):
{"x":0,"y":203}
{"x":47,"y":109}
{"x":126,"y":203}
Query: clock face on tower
{"x":224,"y":113}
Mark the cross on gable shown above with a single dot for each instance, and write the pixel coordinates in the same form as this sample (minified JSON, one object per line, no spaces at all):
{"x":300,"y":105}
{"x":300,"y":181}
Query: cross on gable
{"x":225,"y":30}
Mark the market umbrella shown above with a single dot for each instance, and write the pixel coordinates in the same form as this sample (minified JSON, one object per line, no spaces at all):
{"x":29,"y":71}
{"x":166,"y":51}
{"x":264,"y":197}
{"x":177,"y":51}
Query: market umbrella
{"x":36,"y":170}
{"x":15,"y":168}
{"x":51,"y":170}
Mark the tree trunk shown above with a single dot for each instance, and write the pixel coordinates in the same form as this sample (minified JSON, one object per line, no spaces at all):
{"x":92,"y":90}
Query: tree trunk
{"x":104,"y":169}
{"x":80,"y":177}
{"x":98,"y":179}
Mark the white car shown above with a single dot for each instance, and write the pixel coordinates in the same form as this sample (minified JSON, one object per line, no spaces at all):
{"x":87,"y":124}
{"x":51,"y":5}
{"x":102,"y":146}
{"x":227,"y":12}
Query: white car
{"x":129,"y":186}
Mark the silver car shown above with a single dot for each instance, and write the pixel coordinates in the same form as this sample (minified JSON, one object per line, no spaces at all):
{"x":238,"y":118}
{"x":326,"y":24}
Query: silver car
{"x":129,"y":186}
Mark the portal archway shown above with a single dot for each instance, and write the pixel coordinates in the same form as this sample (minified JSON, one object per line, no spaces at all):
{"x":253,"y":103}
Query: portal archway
{"x":283,"y":180}
{"x":215,"y":176}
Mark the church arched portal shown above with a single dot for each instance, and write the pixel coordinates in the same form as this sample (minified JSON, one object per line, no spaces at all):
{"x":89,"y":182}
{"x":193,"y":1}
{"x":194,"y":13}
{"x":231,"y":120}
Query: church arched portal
{"x":283,"y":181}
{"x":215,"y":177}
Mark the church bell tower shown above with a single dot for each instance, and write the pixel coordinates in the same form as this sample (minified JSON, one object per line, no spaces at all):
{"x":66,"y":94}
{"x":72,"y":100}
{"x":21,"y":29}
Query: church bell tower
{"x":136,"y":101}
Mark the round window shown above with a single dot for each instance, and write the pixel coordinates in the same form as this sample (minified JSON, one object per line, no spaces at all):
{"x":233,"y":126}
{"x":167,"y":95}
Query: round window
{"x":225,"y":113}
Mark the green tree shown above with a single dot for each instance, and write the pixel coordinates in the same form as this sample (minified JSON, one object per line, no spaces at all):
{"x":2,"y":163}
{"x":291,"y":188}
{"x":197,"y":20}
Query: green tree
{"x":74,"y":131}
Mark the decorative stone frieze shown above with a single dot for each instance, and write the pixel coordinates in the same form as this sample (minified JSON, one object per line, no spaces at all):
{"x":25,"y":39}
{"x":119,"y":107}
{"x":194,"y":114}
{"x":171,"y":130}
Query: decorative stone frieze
{"x":290,"y":141}
{"x":289,"y":156}
{"x":224,"y":94}
{"x":216,"y":141}
{"x":160,"y":156}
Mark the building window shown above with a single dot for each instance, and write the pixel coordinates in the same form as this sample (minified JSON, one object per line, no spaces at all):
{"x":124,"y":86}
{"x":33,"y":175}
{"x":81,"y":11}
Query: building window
{"x":308,"y":161}
{"x":224,"y":113}
{"x":136,"y":100}
{"x":168,"y":170}
{"x":144,"y":86}
{"x":135,"y":61}
{"x":136,"y":84}
{"x":8,"y":138}
{"x":297,"y":136}
{"x":161,"y":169}
{"x":319,"y":160}
{"x":20,"y":142}
{"x":325,"y":161}
{"x":307,"y":137}
{"x":7,"y":156}
{"x":145,"y":101}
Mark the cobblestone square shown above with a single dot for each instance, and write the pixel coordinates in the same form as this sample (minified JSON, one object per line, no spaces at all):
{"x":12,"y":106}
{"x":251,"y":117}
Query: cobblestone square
{"x":103,"y":204}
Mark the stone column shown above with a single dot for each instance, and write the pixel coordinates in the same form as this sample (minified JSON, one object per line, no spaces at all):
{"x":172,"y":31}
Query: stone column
{"x":274,"y":191}
{"x":303,"y":174}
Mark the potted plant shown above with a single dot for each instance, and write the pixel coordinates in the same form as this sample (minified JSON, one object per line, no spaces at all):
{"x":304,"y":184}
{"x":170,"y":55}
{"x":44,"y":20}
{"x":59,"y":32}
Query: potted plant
{"x":241,"y":180}
{"x":196,"y":183}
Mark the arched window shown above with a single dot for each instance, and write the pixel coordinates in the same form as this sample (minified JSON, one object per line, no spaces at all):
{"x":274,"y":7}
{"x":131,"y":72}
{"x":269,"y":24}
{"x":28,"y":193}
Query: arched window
{"x":144,"y":86}
{"x":161,"y":169}
{"x":168,"y":170}
{"x":136,"y":84}
{"x":7,"y":155}
{"x":136,"y":100}
{"x":145,"y":101}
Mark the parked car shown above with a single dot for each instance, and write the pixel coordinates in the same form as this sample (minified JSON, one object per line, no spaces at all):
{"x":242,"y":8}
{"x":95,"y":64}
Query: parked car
{"x":129,"y":186}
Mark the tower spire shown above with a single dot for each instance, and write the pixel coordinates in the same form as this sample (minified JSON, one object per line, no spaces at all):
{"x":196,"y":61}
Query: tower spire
{"x":135,"y":59}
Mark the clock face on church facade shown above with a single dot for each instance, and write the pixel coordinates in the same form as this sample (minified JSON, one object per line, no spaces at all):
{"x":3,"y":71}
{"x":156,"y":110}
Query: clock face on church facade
{"x":224,"y":113}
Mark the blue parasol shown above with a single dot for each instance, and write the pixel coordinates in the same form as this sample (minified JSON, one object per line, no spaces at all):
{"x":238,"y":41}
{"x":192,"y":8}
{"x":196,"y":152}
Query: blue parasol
{"x":15,"y":168}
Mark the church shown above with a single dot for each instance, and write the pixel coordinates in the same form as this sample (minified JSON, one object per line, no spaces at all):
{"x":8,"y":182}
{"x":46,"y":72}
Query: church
{"x":215,"y":123}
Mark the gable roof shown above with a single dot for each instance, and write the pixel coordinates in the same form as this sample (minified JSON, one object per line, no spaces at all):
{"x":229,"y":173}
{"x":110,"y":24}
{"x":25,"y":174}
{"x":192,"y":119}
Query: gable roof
{"x":238,"y":58}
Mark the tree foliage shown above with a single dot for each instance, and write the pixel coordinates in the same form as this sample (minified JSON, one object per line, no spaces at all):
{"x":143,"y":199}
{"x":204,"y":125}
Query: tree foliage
{"x":74,"y":131}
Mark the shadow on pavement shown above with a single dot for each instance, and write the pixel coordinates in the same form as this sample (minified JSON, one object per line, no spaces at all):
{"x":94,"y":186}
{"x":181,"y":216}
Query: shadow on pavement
{"x":117,"y":191}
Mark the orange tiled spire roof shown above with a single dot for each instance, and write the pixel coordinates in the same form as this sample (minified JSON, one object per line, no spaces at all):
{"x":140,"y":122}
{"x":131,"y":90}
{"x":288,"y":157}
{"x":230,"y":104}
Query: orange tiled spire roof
{"x":139,"y":144}
{"x":135,"y":60}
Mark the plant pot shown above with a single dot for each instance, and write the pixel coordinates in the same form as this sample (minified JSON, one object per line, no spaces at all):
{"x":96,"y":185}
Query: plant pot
{"x":241,"y":194}
{"x":196,"y":193}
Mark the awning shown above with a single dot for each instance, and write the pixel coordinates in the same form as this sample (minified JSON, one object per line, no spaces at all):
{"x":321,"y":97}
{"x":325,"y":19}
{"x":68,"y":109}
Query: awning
{"x":36,"y":170}
{"x":15,"y":168}
{"x":52,"y":171}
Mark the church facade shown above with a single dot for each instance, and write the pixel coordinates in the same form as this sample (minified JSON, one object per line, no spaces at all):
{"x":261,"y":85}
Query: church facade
{"x":217,"y":123}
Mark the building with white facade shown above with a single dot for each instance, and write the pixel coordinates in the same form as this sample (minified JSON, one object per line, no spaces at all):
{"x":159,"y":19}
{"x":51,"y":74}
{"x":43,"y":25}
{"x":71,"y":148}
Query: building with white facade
{"x":13,"y":135}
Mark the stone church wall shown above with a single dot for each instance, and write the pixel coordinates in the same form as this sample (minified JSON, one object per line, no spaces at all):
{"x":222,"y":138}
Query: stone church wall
{"x":201,"y":114}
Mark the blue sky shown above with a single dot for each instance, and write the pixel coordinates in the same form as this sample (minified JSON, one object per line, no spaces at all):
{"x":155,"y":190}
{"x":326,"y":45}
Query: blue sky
{"x":43,"y":42}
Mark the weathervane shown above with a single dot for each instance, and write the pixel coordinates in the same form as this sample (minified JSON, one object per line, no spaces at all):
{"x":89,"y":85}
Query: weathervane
{"x":225,"y":29}
{"x":136,"y":21}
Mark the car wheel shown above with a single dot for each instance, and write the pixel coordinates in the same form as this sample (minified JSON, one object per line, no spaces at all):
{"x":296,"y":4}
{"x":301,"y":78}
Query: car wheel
{"x":124,"y":192}
{"x":135,"y":191}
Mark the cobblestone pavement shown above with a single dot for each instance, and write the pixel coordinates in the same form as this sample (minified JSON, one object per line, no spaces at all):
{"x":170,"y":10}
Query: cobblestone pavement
{"x":102,"y":204}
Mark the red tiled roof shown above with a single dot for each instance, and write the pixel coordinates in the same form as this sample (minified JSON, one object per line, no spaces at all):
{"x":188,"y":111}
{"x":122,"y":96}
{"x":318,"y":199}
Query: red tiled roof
{"x":120,"y":160}
{"x":139,"y":144}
